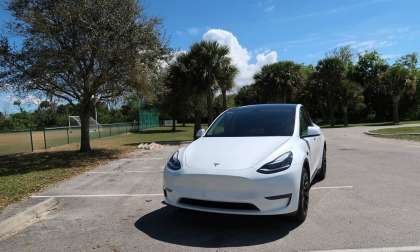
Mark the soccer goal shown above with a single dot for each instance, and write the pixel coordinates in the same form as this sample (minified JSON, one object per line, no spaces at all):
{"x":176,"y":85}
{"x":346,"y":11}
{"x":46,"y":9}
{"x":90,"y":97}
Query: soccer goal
{"x":74,"y":121}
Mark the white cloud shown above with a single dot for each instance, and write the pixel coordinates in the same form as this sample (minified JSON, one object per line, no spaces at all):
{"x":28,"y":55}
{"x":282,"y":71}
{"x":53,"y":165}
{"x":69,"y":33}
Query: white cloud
{"x":391,"y":56}
{"x":366,"y":45}
{"x":29,"y":102}
{"x":170,"y":59}
{"x":240,"y":56}
{"x":269,"y":8}
{"x":335,"y":11}
{"x":31,"y":99}
{"x":193,"y":30}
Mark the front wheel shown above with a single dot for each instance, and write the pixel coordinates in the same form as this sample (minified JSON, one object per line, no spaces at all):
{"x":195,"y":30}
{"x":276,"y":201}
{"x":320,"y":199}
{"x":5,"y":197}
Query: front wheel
{"x":302,"y":212}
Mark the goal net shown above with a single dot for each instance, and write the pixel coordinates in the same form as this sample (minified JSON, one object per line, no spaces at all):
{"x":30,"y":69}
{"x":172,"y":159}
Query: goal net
{"x":74,"y":121}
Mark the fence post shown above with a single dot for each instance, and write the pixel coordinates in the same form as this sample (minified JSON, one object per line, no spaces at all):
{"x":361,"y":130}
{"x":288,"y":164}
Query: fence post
{"x":45,"y":140}
{"x":32,"y":142}
{"x":110,"y":130}
{"x":99,"y":131}
{"x":68,"y":137}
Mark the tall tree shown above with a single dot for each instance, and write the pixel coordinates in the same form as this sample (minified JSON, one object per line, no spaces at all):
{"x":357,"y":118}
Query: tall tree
{"x":247,"y":95}
{"x":351,"y":94}
{"x":279,"y":82}
{"x":18,"y":103}
{"x":313,"y":96}
{"x":330,"y":72}
{"x":210,"y":59}
{"x":397,"y":79}
{"x":368,"y":72}
{"x":186,"y":92}
{"x":409,"y":61}
{"x":344,"y":54}
{"x":225,"y":80}
{"x":81,"y":51}
{"x":176,"y":98}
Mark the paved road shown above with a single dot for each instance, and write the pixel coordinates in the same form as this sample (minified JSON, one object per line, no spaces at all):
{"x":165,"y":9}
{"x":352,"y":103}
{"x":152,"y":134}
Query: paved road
{"x":117,"y":207}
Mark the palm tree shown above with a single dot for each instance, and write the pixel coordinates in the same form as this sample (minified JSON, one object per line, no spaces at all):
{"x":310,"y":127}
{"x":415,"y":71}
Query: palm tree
{"x":330,"y":72}
{"x":351,"y":94}
{"x":397,"y":79}
{"x":279,"y":82}
{"x":225,"y":80}
{"x":210,"y":58}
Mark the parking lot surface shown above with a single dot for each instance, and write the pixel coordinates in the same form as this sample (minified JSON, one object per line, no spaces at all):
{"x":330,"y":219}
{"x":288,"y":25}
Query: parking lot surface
{"x":370,"y":199}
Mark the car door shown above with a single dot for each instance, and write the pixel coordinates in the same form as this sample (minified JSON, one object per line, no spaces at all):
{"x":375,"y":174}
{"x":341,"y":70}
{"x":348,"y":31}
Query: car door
{"x":311,"y":141}
{"x":318,"y":145}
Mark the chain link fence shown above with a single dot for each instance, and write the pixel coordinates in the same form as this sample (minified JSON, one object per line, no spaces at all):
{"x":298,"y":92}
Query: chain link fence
{"x":148,"y":117}
{"x":28,"y":140}
{"x":15,"y":141}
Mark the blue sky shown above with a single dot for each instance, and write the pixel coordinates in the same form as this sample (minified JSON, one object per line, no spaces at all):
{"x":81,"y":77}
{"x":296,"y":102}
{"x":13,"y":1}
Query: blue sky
{"x":301,"y":30}
{"x":264,"y":31}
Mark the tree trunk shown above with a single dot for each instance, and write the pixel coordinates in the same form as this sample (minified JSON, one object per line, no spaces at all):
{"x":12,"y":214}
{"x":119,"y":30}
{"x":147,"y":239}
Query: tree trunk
{"x":209,"y":108}
{"x":331,"y":108}
{"x":395,"y":113}
{"x":173,"y":125}
{"x":224,"y":99}
{"x":84,"y":129}
{"x":332,"y":117}
{"x":346,"y":115}
{"x":197,"y":125}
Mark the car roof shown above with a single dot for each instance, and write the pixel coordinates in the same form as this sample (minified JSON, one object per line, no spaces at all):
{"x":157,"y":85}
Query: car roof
{"x":267,"y":106}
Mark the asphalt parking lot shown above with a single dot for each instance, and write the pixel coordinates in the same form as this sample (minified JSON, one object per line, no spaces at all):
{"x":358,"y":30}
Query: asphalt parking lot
{"x":370,"y":199}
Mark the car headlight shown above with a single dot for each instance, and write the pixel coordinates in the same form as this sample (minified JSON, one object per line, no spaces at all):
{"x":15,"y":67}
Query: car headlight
{"x":279,"y":164}
{"x":173,"y":162}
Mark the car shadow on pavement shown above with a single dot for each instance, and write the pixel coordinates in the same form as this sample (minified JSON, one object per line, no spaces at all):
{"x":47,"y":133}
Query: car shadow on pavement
{"x":198,"y":229}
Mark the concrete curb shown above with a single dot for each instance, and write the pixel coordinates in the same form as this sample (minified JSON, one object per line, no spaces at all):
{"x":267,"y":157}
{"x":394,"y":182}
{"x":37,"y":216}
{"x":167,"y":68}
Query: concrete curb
{"x":391,"y":134}
{"x":22,"y":220}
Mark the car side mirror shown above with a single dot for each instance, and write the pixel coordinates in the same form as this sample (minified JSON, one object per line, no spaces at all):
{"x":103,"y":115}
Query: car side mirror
{"x":313,"y":132}
{"x":200,"y":133}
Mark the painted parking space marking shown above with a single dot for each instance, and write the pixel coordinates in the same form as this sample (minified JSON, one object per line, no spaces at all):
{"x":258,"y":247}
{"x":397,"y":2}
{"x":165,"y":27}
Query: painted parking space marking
{"x":331,"y":187}
{"x":149,"y":158}
{"x":147,"y":194}
{"x":117,"y":172}
{"x":98,"y":195}
{"x":385,"y":249}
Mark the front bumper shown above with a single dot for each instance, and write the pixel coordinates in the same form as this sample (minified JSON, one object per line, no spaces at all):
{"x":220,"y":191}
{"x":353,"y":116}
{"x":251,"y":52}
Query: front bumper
{"x":233,"y":194}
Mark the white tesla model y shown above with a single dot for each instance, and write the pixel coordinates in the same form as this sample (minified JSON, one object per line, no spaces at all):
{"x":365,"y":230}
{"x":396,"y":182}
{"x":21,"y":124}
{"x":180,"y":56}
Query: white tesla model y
{"x":258,"y":160}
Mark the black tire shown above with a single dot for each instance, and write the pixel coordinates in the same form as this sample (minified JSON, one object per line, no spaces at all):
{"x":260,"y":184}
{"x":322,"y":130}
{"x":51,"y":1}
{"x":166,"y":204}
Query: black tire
{"x":305,"y":185}
{"x":323,"y":171}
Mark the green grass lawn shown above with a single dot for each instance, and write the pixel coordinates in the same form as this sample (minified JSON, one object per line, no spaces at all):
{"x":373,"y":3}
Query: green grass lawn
{"x":399,"y":130}
{"x":24,"y":174}
{"x":18,"y":142}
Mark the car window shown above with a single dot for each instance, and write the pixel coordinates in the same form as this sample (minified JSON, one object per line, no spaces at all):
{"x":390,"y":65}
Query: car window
{"x":254,"y":121}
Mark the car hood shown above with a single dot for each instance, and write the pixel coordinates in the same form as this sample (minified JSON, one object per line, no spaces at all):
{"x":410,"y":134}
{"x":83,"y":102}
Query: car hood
{"x":230,"y":153}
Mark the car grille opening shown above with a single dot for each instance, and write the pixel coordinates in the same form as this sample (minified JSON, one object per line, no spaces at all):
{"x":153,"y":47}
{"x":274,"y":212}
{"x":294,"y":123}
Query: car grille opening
{"x":218,"y":204}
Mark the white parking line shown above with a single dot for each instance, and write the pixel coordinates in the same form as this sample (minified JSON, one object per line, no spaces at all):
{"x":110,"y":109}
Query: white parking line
{"x":385,"y":249}
{"x":149,"y":158}
{"x":147,"y":194}
{"x":97,"y":195}
{"x":331,"y":187}
{"x":116,"y":172}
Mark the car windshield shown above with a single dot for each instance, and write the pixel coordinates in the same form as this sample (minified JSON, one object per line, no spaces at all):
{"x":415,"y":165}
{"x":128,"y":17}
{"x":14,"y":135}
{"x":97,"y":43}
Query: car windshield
{"x":254,"y":121}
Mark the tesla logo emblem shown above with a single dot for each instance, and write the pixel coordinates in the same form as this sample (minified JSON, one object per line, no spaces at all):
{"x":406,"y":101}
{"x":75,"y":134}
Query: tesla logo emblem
{"x":216,"y":164}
